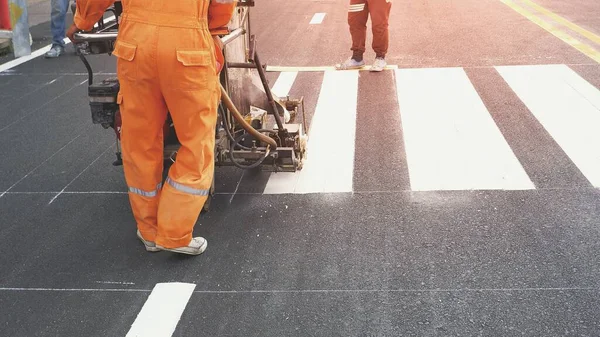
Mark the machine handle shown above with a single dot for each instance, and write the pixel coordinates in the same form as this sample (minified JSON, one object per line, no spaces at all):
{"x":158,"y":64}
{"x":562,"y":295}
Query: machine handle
{"x":95,"y":37}
{"x":112,"y":36}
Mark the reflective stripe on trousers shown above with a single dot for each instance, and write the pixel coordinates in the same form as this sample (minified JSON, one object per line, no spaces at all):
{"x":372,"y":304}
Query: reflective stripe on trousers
{"x":148,"y":194}
{"x":186,"y":189}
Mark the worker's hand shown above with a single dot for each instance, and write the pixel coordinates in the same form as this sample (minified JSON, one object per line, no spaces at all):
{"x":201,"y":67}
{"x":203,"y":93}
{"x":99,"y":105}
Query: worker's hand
{"x":219,"y":52}
{"x":71,"y":32}
{"x":218,"y":41}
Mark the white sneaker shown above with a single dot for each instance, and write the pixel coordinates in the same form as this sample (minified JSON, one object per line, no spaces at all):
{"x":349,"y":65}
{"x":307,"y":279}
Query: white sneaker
{"x":379,"y":65}
{"x":150,"y":246}
{"x":350,"y":64}
{"x":196,"y":247}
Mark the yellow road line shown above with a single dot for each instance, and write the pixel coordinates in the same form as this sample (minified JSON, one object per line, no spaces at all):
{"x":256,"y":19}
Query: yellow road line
{"x":318,"y":69}
{"x":573,"y":42}
{"x":584,"y":32}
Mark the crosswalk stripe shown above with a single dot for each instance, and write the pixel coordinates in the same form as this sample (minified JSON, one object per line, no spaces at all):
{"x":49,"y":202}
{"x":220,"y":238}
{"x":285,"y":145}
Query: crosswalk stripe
{"x":161,"y":312}
{"x":451,"y":141}
{"x":567,"y":106}
{"x":284,"y":83}
{"x":328,"y":168}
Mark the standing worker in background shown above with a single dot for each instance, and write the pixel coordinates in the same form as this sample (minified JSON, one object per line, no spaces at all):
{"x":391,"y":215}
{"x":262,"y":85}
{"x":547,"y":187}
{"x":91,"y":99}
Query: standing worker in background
{"x":57,"y":27}
{"x":358,"y":14}
{"x":167,"y":58}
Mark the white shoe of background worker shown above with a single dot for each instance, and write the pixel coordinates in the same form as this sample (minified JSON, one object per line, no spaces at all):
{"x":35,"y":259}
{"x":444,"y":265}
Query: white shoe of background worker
{"x":168,"y":59}
{"x":358,"y":14}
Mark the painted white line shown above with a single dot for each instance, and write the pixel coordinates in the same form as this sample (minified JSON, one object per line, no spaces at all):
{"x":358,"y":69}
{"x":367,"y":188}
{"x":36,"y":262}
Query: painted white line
{"x":325,"y":291}
{"x":162,"y":310}
{"x":72,"y":181}
{"x":319,"y":68}
{"x":284,"y":83}
{"x":40,"y":165}
{"x":451,"y":141}
{"x":317,"y":19}
{"x":115,"y":282}
{"x":567,"y":106}
{"x":37,"y":53}
{"x":55,"y":98}
{"x":326,"y":171}
{"x":34,"y":54}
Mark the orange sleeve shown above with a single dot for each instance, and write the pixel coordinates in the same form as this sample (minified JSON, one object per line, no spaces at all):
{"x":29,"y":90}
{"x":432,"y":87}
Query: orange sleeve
{"x":220,"y":13}
{"x":89,"y":12}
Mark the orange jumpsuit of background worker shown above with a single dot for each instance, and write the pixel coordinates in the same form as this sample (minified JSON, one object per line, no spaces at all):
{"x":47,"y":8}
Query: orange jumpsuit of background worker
{"x":358,"y":14}
{"x":167,"y":60}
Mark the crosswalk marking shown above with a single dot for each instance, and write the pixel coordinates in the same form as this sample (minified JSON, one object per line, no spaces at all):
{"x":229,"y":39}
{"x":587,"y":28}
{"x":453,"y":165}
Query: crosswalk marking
{"x":284,"y":83}
{"x":567,"y":106}
{"x":328,"y":168}
{"x":161,"y":312}
{"x":451,"y":141}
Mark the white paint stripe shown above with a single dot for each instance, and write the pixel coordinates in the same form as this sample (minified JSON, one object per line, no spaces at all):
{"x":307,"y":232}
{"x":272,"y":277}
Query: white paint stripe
{"x":77,"y":177}
{"x":162,"y":310}
{"x":317,"y":19}
{"x":451,"y":141}
{"x":567,"y":106}
{"x":326,"y":170}
{"x":308,"y":291}
{"x":37,"y":53}
{"x":284,"y":83}
{"x":34,"y":54}
{"x":39,"y":165}
{"x":319,"y":68}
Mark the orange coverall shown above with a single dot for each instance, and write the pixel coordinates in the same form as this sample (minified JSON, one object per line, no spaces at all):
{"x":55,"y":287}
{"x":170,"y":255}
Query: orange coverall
{"x":166,"y":60}
{"x":358,"y":14}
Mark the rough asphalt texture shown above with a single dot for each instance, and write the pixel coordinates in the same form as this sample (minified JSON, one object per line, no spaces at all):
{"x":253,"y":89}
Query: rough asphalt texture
{"x":382,"y":261}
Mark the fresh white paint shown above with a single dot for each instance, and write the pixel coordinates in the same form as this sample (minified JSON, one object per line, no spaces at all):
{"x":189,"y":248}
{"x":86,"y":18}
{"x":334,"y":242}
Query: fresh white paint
{"x":567,"y":106}
{"x":284,"y":83}
{"x":317,"y":19}
{"x":451,"y":141}
{"x":329,"y":167}
{"x":161,"y":312}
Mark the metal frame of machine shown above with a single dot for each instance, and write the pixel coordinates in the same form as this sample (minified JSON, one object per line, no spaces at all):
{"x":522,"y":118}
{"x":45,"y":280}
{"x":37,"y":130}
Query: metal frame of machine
{"x":243,"y":136}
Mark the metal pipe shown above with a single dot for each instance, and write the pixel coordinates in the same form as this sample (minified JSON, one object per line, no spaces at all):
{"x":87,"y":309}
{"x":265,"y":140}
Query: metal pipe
{"x":95,"y":37}
{"x":242,"y":65}
{"x":232,"y":36}
{"x":263,"y":79}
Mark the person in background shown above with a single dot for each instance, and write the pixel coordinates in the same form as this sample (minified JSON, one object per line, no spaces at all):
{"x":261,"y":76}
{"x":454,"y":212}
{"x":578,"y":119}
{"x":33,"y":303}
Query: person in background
{"x":57,"y":27}
{"x":358,"y":14}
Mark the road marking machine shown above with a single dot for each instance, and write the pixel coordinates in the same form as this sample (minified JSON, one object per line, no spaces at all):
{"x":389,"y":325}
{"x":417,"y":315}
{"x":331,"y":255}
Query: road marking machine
{"x":255,"y":128}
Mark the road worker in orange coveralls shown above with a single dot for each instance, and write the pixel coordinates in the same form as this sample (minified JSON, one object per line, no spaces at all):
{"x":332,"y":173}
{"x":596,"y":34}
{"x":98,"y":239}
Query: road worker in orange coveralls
{"x":168,"y":58}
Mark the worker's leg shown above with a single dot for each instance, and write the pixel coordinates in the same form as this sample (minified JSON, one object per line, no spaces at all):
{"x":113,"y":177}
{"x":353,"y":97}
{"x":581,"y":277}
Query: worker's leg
{"x":143,"y":113}
{"x":58,"y":13}
{"x":380,"y":15}
{"x":358,"y":14}
{"x":192,"y":93}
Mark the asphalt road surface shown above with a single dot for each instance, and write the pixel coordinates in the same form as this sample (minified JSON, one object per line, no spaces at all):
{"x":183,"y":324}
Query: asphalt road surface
{"x":454,"y":194}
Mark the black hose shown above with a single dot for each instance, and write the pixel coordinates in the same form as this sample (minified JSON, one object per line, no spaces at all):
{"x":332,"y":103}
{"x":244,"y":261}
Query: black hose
{"x":240,"y":119}
{"x":226,"y":126}
{"x":235,"y":142}
{"x":89,"y":69}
